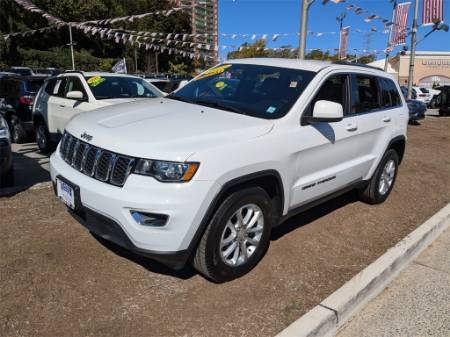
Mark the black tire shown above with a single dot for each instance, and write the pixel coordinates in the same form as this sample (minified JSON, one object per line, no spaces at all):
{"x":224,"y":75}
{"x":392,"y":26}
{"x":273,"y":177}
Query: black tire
{"x":371,"y":194}
{"x":7,"y":180}
{"x":43,"y":140}
{"x":18,"y":133}
{"x":208,"y":260}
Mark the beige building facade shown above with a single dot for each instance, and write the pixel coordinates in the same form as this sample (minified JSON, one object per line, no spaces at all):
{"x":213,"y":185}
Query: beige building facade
{"x":430,"y":68}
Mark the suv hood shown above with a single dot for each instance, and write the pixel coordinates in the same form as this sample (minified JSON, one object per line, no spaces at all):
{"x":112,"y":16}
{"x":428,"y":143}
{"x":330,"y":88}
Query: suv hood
{"x":164,"y":128}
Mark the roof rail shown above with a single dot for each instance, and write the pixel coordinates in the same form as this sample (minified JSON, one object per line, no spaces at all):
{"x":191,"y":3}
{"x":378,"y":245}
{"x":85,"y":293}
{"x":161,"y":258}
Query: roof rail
{"x":72,"y":71}
{"x":346,"y":63}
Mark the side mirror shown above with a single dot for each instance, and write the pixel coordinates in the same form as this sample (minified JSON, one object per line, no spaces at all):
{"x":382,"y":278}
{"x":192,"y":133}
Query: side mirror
{"x":326,"y":112}
{"x":76,"y":95}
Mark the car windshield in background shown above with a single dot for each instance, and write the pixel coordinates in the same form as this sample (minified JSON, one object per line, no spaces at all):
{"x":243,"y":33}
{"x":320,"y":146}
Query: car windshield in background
{"x":254,"y":90}
{"x":108,"y":87}
{"x":33,"y":86}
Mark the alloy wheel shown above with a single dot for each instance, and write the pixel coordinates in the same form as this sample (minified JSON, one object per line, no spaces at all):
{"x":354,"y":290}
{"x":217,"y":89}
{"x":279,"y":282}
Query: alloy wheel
{"x":387,"y":177}
{"x":242,"y":235}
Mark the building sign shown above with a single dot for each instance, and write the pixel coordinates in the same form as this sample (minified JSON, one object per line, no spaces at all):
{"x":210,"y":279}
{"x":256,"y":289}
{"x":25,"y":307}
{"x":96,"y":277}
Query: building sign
{"x":436,"y":63}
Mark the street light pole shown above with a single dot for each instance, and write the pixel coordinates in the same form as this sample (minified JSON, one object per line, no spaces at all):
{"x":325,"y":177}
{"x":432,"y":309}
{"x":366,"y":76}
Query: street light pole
{"x":413,"y":50}
{"x":303,"y":28}
{"x":71,"y":44}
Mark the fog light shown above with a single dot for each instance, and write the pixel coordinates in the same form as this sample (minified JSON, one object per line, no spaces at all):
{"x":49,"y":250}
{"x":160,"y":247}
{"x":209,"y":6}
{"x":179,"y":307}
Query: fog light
{"x":149,"y":219}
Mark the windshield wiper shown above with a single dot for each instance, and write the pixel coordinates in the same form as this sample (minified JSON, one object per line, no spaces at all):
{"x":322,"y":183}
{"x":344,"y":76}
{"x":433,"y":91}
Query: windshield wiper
{"x":218,"y":104}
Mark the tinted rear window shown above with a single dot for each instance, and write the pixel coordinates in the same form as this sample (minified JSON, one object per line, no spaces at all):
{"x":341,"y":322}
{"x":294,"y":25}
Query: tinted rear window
{"x":33,"y":86}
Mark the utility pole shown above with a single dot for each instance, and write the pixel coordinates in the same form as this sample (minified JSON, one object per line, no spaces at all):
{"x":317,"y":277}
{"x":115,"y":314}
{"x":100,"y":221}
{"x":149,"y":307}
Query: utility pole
{"x":413,"y":50}
{"x":303,"y":27}
{"x":71,"y":44}
{"x":156,"y":63}
{"x":388,"y":48}
{"x":340,"y":19}
{"x":135,"y":61}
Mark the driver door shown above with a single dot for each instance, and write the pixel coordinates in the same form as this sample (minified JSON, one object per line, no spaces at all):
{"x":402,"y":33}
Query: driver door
{"x":325,"y":153}
{"x":66,"y":108}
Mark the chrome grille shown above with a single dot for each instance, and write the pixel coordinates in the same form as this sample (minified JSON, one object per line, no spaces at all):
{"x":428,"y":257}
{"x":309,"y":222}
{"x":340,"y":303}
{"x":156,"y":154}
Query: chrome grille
{"x":95,"y":162}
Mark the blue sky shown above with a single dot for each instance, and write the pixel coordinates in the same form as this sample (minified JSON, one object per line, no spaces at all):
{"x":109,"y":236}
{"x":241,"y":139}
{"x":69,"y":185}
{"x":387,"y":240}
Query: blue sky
{"x":283,"y":16}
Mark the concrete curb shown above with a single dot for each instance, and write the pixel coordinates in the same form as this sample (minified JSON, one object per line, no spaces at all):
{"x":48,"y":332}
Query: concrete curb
{"x":326,"y":318}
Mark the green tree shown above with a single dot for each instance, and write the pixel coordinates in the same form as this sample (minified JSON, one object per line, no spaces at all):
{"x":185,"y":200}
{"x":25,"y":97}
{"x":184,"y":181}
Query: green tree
{"x":247,"y":50}
{"x":178,"y":69}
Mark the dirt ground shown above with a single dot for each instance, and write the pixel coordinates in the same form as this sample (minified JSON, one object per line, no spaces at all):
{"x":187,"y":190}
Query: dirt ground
{"x":58,"y":280}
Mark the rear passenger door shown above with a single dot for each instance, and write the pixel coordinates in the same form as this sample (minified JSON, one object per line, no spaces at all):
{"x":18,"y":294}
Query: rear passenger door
{"x":374,"y":109}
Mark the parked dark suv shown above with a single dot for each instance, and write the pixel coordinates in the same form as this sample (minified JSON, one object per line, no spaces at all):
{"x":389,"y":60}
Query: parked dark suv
{"x":17,"y":96}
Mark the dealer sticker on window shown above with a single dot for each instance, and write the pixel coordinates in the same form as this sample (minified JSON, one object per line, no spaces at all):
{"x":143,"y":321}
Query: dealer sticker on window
{"x":95,"y":80}
{"x":212,"y":72}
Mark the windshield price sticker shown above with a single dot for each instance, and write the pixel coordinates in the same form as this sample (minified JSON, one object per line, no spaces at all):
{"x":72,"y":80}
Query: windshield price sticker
{"x":96,"y":80}
{"x":212,"y":72}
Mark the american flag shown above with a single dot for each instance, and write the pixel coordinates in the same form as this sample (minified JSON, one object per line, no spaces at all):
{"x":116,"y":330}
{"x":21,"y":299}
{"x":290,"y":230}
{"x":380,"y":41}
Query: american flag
{"x":343,"y":42}
{"x":398,"y":29}
{"x":432,"y":10}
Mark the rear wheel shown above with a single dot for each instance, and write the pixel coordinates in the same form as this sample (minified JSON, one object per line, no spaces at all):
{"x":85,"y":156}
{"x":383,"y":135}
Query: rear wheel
{"x":18,"y":133}
{"x":43,"y":138}
{"x":382,"y":182}
{"x":237,"y":236}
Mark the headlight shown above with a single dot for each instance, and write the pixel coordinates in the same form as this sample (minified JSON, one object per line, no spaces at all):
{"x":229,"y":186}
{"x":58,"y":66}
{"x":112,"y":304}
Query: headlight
{"x":4,"y":129}
{"x":165,"y":170}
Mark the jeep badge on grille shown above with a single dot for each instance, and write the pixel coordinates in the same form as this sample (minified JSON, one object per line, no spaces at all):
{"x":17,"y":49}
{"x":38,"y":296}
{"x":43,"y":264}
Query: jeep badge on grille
{"x":86,"y":136}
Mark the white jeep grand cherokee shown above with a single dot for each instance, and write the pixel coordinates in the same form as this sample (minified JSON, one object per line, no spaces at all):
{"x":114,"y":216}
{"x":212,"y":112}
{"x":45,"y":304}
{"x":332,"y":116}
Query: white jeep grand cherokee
{"x":204,"y":174}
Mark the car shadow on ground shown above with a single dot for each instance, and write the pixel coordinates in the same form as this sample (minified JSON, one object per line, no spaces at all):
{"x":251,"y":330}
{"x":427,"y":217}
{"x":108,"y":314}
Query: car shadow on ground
{"x":286,"y":227}
{"x":313,"y":214}
{"x":151,"y":265}
{"x":28,"y":169}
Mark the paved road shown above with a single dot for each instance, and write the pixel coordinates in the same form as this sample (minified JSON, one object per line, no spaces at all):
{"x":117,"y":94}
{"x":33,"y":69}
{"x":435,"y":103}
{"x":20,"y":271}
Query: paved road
{"x":417,"y":303}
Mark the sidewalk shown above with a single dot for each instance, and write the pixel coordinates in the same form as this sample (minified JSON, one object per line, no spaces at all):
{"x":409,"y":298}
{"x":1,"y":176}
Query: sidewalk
{"x":415,"y":304}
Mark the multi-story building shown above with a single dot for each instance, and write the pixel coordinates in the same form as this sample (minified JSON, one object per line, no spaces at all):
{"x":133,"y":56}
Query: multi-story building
{"x":204,"y":22}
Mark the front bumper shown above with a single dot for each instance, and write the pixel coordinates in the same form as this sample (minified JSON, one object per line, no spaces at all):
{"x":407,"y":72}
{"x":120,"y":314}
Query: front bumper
{"x":417,"y":115}
{"x":106,"y":211}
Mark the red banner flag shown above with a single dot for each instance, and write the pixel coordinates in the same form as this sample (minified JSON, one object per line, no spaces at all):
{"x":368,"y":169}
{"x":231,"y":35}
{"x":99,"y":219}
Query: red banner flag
{"x":400,"y":19}
{"x":432,"y":11}
{"x":343,"y":42}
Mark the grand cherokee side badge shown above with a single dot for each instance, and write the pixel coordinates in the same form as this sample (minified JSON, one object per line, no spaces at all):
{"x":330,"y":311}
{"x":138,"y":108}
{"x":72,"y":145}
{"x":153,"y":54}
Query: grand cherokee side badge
{"x":86,"y":136}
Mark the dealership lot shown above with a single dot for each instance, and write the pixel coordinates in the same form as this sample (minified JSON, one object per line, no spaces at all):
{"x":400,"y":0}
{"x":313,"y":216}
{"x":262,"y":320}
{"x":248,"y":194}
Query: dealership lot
{"x":56,"y":279}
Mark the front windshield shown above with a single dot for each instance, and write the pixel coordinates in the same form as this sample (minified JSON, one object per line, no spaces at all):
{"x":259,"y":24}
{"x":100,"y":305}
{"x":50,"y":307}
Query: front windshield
{"x":255,"y":90}
{"x":108,"y":87}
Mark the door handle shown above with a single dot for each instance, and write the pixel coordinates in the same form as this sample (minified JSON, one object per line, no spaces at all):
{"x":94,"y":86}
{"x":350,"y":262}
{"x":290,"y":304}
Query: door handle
{"x":351,"y":127}
{"x":386,"y":119}
{"x":62,"y":106}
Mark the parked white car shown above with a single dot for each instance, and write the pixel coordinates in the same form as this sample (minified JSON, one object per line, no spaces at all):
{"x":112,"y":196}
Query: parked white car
{"x":68,"y":94}
{"x":204,"y":174}
{"x":423,"y":94}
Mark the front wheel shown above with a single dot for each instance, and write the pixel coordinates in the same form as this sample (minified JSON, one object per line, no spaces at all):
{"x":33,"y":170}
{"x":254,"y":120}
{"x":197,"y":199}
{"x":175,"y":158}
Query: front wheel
{"x":237,"y":236}
{"x":382,"y":181}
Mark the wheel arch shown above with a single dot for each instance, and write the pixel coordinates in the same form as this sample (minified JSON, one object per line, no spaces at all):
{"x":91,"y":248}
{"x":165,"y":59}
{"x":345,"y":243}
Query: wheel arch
{"x":269,"y":180}
{"x":398,"y":144}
